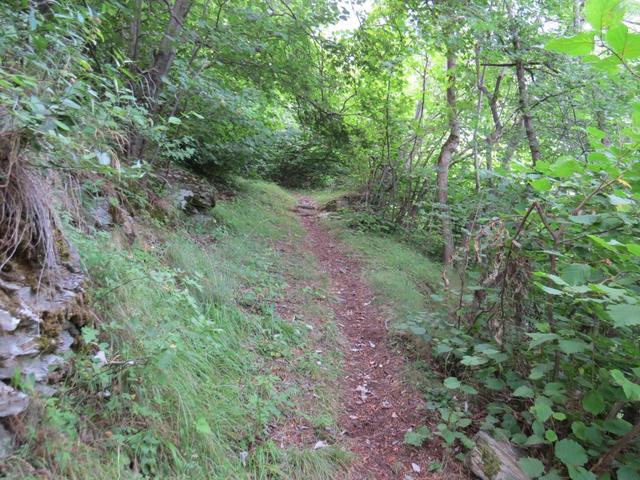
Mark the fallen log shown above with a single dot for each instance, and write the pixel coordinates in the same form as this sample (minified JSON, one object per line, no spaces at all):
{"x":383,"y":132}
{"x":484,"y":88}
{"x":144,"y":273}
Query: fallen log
{"x":491,"y":459}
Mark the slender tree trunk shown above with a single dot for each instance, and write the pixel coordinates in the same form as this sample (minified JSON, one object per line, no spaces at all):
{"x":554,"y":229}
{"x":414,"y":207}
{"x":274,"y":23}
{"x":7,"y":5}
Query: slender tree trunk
{"x":578,"y":5}
{"x":523,"y":95}
{"x":153,"y":78}
{"x":444,"y":160}
{"x":166,"y":51}
{"x":135,"y":31}
{"x":479,"y":81}
{"x":527,"y":119}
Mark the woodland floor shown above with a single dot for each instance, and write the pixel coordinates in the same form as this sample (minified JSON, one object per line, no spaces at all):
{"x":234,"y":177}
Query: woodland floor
{"x":378,"y":408}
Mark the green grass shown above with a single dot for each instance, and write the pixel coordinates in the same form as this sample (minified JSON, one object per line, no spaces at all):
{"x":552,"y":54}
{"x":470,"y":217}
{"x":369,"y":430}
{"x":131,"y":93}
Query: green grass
{"x":194,"y":317}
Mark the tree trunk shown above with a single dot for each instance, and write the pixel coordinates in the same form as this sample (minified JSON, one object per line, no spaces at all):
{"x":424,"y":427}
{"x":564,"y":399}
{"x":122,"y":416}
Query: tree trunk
{"x":152,"y":81}
{"x":444,"y":160}
{"x":578,"y":20}
{"x":523,"y":95}
{"x":167,"y":49}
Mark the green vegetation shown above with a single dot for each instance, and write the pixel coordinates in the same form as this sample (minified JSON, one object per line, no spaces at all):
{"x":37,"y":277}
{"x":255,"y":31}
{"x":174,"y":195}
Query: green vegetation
{"x":500,"y":138}
{"x":190,"y":389}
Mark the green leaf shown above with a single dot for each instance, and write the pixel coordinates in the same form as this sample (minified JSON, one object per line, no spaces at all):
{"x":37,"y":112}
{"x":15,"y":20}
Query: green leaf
{"x":541,"y":184}
{"x":601,"y":242}
{"x":593,"y":402}
{"x":580,"y":473}
{"x":570,"y":452}
{"x":174,"y":121}
{"x":417,"y":437}
{"x":624,"y":314}
{"x":564,"y":167}
{"x":540,"y":338}
{"x":631,"y":390}
{"x":573,"y":346}
{"x":473,"y":361}
{"x":627,"y":473}
{"x":549,"y":290}
{"x":634,"y":248}
{"x":203,"y":427}
{"x":452,"y":383}
{"x":619,"y":201}
{"x":493,"y":383}
{"x":542,"y":409}
{"x":580,"y":44}
{"x":538,"y":371}
{"x":531,"y":466}
{"x":588,"y":434}
{"x":603,"y":13}
{"x":523,"y":391}
{"x":596,"y":133}
{"x":625,"y":44}
{"x":584,"y":219}
{"x":551,"y":436}
{"x":576,"y":273}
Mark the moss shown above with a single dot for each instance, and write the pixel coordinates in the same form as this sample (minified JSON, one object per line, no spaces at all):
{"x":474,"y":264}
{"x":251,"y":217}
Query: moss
{"x":490,"y":462}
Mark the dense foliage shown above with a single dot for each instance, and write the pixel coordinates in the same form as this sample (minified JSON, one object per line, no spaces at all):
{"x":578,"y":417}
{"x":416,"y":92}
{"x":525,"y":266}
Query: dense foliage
{"x":502,"y":137}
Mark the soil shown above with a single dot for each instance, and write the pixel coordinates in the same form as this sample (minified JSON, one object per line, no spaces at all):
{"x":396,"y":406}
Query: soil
{"x":378,"y":407}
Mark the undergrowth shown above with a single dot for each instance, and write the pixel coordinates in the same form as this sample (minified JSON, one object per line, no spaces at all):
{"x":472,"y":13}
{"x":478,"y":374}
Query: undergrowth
{"x":188,"y":329}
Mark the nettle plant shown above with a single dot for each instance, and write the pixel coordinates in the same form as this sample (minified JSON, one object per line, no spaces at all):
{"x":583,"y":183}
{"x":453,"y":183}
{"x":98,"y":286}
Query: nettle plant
{"x":555,"y":340}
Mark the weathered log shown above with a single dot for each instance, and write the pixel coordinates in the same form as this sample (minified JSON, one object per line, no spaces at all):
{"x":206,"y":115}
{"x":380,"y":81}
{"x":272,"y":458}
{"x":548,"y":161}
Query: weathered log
{"x":491,"y":459}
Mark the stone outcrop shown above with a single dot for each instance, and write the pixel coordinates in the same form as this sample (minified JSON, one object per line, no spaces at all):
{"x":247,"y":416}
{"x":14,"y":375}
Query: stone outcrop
{"x":189,"y":192}
{"x":39,"y":321}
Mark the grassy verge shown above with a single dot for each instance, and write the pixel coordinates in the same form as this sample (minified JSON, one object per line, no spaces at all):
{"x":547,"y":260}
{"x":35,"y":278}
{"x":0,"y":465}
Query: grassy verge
{"x":201,"y":370}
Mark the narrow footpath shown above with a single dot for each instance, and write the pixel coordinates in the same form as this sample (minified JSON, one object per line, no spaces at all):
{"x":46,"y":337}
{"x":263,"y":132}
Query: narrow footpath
{"x":378,"y":408}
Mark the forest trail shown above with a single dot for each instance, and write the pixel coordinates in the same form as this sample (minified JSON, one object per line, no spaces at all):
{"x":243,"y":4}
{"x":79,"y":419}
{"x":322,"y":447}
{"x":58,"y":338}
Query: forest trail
{"x":377,"y":407}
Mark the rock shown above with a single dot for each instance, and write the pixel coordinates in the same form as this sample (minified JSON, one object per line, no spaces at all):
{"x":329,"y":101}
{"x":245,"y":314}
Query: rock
{"x":194,"y":201}
{"x":38,"y":321}
{"x":8,"y":322}
{"x":100,"y":358}
{"x":12,"y":402}
{"x":23,"y":342}
{"x":100,"y":213}
{"x":491,"y":459}
{"x":6,"y":443}
{"x":187,"y":191}
{"x":38,"y":366}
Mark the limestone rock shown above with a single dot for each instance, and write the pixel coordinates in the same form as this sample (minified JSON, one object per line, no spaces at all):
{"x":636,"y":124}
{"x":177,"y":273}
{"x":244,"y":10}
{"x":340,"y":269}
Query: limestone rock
{"x":12,"y":402}
{"x":39,"y":318}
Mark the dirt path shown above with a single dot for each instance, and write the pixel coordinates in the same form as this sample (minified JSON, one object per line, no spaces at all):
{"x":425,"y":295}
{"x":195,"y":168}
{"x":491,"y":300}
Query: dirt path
{"x":378,"y":408}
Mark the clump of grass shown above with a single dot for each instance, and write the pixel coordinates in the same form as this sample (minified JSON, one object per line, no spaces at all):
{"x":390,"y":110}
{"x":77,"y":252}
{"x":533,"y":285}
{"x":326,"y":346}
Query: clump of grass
{"x":262,"y":209}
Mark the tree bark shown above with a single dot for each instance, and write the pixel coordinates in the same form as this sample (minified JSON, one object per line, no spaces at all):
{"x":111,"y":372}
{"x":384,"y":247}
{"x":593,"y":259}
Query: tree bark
{"x":444,"y":160}
{"x":153,"y":79}
{"x":523,"y":95}
{"x":167,"y":49}
{"x":578,"y":20}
